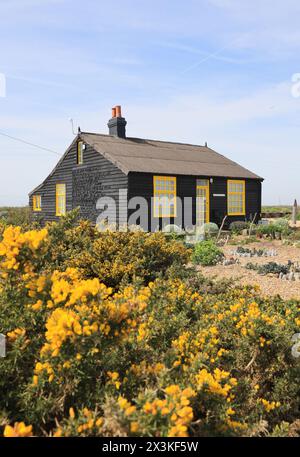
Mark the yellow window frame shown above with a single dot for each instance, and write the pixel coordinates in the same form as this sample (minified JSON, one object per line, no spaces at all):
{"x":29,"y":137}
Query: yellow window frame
{"x":231,"y":193}
{"x":60,"y":193}
{"x":37,"y":203}
{"x":80,"y":153}
{"x":167,"y":190}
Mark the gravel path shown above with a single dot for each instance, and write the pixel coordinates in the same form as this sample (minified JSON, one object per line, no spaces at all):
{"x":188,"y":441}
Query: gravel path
{"x":269,"y":285}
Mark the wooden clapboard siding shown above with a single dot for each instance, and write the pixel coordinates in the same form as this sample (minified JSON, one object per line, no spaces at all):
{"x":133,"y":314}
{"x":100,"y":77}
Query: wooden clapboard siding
{"x":85,"y":184}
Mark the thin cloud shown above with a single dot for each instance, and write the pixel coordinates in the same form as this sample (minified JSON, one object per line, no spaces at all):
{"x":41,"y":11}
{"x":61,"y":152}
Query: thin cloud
{"x":206,"y":55}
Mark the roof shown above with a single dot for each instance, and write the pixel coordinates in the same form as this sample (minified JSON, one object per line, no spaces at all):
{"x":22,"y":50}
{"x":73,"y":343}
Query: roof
{"x":151,"y":156}
{"x":161,"y":157}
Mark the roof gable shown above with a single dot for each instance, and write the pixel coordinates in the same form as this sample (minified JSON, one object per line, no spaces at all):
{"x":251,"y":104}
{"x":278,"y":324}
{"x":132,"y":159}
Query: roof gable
{"x":36,"y":189}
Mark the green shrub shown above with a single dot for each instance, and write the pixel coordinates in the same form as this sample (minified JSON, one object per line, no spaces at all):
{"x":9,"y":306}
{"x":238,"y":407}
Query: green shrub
{"x":207,"y":253}
{"x":210,"y":229}
{"x":238,"y":226}
{"x":295,"y":235}
{"x":279,"y":227}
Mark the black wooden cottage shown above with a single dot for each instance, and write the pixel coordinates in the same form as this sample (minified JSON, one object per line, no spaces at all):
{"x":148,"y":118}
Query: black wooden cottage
{"x":116,"y":167}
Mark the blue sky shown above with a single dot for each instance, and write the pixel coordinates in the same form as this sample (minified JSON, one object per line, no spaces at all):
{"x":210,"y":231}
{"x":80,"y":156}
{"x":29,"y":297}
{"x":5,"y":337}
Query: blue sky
{"x":209,"y":70}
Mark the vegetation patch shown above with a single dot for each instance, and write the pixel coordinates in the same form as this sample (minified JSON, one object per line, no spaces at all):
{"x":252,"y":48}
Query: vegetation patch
{"x":207,"y":253}
{"x":111,"y":335}
{"x":275,"y":230}
{"x":246,"y":252}
{"x":291,"y":271}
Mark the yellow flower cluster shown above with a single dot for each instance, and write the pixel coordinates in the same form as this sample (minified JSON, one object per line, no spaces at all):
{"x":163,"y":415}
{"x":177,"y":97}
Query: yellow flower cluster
{"x":138,"y":300}
{"x":175,"y":407}
{"x":180,"y":290}
{"x":126,"y":406}
{"x":142,"y":332}
{"x":215,"y":382}
{"x":40,"y":368}
{"x":86,"y":423}
{"x":203,"y":346}
{"x":17,"y":333}
{"x":90,"y":421}
{"x":85,"y":311}
{"x":62,"y":324}
{"x":18,"y":430}
{"x":247,"y":320}
{"x":146,"y":369}
{"x":68,"y":287}
{"x":235,"y":425}
{"x":114,"y":378}
{"x":35,"y":285}
{"x":14,"y":241}
{"x":269,"y":406}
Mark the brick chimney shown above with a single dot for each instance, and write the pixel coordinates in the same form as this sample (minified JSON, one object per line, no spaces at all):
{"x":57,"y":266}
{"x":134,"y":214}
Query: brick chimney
{"x":117,"y":124}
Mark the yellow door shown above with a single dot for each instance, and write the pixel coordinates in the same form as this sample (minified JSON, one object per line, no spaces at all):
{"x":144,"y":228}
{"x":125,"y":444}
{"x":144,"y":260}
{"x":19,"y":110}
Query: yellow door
{"x":202,"y":202}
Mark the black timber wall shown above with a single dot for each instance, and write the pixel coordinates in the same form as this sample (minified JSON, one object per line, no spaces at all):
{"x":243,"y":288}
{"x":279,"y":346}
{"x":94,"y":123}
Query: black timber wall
{"x":218,"y":204}
{"x":141,"y":184}
{"x":85,"y":184}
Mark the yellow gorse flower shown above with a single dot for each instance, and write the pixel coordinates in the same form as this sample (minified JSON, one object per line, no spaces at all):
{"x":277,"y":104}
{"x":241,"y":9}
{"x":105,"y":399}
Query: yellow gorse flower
{"x":18,"y":430}
{"x":17,"y":333}
{"x":14,"y":241}
{"x":269,"y":406}
{"x":218,"y":382}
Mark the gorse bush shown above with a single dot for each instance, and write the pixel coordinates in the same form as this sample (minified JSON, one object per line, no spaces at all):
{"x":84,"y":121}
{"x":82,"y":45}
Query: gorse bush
{"x":114,"y":257}
{"x":207,"y":253}
{"x":173,"y":356}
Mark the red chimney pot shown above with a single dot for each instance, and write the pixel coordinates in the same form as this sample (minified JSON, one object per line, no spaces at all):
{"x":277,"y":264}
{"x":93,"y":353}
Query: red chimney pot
{"x":118,"y":111}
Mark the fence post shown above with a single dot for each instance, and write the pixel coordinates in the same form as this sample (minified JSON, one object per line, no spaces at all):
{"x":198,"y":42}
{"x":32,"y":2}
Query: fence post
{"x":294,"y":213}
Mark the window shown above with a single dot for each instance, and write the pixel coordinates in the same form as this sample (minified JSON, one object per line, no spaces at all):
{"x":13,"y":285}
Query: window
{"x":164,"y":196}
{"x":202,"y":183}
{"x":60,"y":199}
{"x":236,"y":198}
{"x":80,"y":153}
{"x":37,"y":203}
